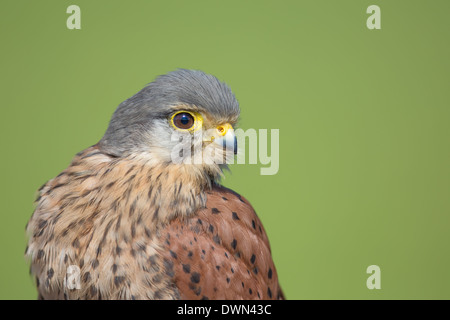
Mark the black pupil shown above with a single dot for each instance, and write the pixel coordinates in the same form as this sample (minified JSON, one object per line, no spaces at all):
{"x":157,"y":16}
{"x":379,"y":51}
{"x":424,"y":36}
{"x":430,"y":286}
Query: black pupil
{"x":184,"y":119}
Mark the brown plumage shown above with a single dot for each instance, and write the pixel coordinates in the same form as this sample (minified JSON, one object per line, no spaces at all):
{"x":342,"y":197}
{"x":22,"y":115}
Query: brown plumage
{"x":137,"y":226}
{"x":221,"y":252}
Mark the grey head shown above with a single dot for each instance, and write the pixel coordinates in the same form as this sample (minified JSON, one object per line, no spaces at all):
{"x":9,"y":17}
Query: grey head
{"x":142,"y":122}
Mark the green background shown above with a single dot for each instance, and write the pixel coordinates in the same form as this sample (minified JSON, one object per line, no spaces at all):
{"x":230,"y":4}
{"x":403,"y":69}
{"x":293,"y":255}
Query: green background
{"x":363,"y":117}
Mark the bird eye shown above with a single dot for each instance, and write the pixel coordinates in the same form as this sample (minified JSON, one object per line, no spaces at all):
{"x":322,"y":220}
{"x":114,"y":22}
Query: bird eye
{"x":183,"y":120}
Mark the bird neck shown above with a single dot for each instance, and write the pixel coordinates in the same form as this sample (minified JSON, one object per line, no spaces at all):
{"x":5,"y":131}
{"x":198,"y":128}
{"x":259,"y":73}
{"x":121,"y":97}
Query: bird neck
{"x":154,"y":192}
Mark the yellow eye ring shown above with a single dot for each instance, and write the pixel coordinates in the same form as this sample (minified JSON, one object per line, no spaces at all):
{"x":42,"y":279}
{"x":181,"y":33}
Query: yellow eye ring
{"x":189,"y":121}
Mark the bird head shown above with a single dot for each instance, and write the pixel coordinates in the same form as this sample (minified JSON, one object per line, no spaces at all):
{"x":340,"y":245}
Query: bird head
{"x":183,"y":118}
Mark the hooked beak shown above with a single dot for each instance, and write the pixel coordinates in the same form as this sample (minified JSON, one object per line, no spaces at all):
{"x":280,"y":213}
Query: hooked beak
{"x":224,"y":136}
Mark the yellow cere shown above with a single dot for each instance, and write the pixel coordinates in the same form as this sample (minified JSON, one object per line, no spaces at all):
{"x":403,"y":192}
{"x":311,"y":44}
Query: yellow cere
{"x":223,"y":129}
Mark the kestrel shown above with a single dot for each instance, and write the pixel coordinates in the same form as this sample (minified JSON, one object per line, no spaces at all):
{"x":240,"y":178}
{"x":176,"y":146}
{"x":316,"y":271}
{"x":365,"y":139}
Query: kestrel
{"x":129,"y":221}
